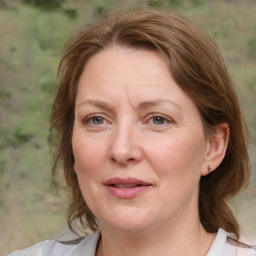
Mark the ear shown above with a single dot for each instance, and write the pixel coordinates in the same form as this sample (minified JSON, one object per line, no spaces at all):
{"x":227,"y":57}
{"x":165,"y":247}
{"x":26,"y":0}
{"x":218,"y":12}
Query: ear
{"x":75,"y":167}
{"x":216,"y":148}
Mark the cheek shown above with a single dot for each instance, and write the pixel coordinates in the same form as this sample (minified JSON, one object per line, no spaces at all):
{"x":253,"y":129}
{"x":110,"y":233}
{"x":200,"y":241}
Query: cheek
{"x":88,"y":163}
{"x":178,"y":156}
{"x":85,"y":153}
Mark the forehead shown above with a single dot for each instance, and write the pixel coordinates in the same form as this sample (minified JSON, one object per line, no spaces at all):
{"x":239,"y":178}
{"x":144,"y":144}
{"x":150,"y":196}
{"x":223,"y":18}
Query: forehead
{"x":128,"y":67}
{"x":142,"y":75}
{"x":127,"y":61}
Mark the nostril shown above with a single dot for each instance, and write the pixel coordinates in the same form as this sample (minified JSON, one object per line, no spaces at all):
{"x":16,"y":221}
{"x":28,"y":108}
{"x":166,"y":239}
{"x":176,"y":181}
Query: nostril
{"x":125,"y":153}
{"x":123,"y":160}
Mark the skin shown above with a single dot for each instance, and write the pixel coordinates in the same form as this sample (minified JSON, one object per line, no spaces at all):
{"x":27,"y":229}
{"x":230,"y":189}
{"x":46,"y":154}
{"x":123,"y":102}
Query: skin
{"x":133,"y":121}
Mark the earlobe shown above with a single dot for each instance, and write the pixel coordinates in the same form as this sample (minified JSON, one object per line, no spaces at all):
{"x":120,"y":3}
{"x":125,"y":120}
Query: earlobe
{"x":216,"y":148}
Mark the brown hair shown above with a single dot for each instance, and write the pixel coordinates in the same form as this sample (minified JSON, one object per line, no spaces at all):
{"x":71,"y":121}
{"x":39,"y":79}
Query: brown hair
{"x":196,"y":66}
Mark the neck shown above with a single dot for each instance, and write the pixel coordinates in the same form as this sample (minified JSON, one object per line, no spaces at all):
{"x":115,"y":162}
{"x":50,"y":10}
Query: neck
{"x":186,"y":237}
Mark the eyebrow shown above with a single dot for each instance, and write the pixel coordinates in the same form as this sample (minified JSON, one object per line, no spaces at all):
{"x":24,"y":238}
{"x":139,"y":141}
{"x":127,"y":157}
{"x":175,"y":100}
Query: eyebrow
{"x":96,"y":103}
{"x":153,"y":103}
{"x":142,"y":105}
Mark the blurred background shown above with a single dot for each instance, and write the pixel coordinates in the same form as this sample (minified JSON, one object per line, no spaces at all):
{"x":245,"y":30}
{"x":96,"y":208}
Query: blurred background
{"x":32,"y":36}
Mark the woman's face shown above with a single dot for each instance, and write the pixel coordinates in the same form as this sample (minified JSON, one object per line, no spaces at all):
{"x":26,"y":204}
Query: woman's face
{"x":138,"y":142}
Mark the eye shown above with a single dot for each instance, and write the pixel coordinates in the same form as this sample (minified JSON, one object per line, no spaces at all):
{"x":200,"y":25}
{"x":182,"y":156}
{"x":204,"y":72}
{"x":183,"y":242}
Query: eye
{"x":97,"y":120}
{"x":159,"y":120}
{"x":94,"y":120}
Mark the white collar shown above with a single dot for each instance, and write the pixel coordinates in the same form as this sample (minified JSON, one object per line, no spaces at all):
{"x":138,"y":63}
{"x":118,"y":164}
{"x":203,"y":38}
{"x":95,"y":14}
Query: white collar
{"x":218,"y":244}
{"x":219,"y":247}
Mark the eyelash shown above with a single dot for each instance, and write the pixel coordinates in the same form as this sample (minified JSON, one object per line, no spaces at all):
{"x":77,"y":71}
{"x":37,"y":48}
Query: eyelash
{"x":164,"y":118}
{"x":89,"y":120}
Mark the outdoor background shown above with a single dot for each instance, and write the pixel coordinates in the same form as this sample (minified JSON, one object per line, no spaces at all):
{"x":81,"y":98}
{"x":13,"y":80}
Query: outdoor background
{"x":32,"y":36}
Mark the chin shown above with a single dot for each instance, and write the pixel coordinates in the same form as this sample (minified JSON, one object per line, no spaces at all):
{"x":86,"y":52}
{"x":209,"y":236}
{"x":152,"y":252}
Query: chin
{"x":129,"y":220}
{"x":129,"y":227}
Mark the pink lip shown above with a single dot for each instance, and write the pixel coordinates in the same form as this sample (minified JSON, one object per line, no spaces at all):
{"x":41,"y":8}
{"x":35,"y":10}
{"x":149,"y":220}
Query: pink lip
{"x":114,"y":185}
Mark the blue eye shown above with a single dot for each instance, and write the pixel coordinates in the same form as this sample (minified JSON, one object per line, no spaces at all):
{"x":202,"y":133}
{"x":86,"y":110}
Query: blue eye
{"x":158,"y":120}
{"x":97,"y":120}
{"x":94,"y":120}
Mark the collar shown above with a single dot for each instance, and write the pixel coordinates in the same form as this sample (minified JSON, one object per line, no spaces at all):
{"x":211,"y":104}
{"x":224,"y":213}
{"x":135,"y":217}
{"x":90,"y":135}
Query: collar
{"x":87,"y":247}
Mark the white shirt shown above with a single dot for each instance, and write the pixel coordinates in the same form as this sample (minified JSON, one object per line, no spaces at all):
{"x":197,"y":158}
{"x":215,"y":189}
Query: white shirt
{"x":87,"y":247}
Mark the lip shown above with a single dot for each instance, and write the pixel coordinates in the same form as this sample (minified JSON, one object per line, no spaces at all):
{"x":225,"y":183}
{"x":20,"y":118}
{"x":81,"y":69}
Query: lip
{"x":125,"y":188}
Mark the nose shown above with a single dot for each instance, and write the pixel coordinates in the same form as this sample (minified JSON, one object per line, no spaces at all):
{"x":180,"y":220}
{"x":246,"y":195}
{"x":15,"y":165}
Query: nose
{"x":126,"y":148}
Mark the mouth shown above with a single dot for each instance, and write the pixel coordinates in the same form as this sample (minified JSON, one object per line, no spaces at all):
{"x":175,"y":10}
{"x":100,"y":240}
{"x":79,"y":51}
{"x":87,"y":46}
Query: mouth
{"x":125,"y":185}
{"x":126,"y":188}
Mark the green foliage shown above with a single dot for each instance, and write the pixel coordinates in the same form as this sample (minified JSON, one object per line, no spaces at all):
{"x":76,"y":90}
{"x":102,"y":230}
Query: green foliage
{"x":3,"y":164}
{"x":45,"y":4}
{"x":175,"y":4}
{"x":71,"y":13}
{"x":48,"y":31}
{"x":252,"y":47}
{"x":21,"y":136}
{"x":3,"y":4}
{"x":155,"y":3}
{"x":252,"y":86}
{"x":98,"y":10}
{"x":197,"y":3}
{"x":47,"y":87}
{"x":4,"y":94}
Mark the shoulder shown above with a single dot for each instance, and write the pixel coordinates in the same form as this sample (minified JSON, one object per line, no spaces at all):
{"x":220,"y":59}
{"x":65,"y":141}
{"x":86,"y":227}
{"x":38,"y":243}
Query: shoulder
{"x":86,"y":247}
{"x":242,"y":247}
{"x":223,"y":246}
{"x":34,"y":250}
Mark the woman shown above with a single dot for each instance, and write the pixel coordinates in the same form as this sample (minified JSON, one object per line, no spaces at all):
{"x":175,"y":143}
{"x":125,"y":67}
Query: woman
{"x":150,"y":138}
